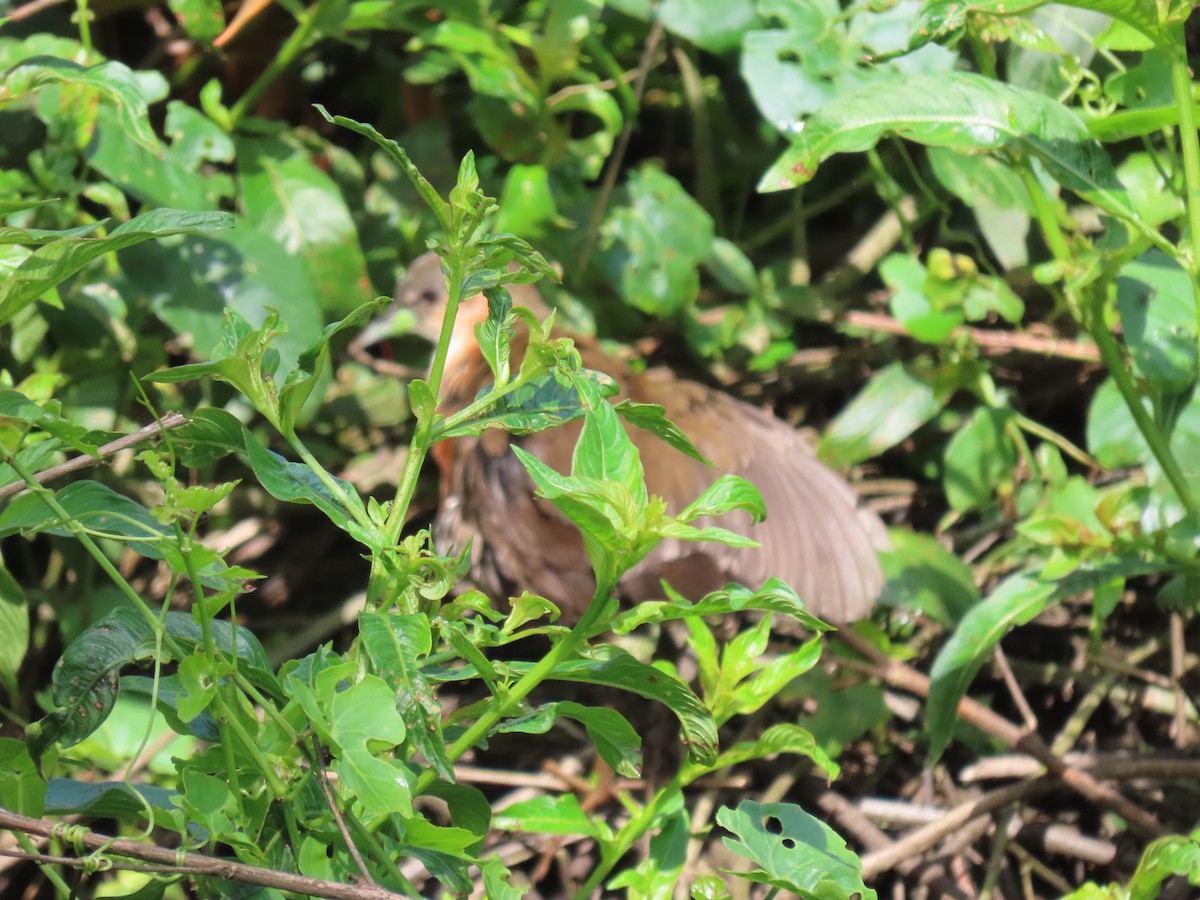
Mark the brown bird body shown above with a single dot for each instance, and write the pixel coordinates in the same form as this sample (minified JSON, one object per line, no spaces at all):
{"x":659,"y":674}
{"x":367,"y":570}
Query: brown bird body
{"x":816,"y":536}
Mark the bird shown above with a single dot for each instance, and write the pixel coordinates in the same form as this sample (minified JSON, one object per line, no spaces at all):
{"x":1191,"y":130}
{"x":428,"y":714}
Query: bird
{"x":817,"y":536}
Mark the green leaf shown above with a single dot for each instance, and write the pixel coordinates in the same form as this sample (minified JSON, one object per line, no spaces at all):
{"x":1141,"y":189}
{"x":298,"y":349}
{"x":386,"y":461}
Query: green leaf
{"x":547,"y":814}
{"x":14,"y":625}
{"x":615,"y":739}
{"x":541,"y":403}
{"x":604,"y":450}
{"x":287,"y":198}
{"x":203,"y":20}
{"x":85,"y":680}
{"x":774,"y":596}
{"x":527,"y":204}
{"x":497,"y":880}
{"x":494,"y":334}
{"x":1014,"y":602}
{"x":895,"y":403}
{"x":428,"y":193}
{"x":55,"y":262}
{"x":106,"y":799}
{"x":469,"y":808}
{"x":909,"y":304}
{"x":960,"y":110}
{"x":727,"y":493}
{"x":113,"y":81}
{"x":656,"y":244}
{"x":980,"y":460}
{"x":363,"y":721}
{"x":156,"y":178}
{"x":924,"y":577}
{"x":1154,"y":296}
{"x":783,"y":737}
{"x":793,"y":851}
{"x":22,"y":789}
{"x":209,"y":435}
{"x":297,"y":483}
{"x":1172,"y":855}
{"x":396,"y":644}
{"x":614,"y":667}
{"x":652,"y":418}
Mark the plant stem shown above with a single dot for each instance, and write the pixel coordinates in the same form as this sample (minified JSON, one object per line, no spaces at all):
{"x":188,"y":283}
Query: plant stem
{"x":296,"y":44}
{"x":1114,"y":361}
{"x":562,"y":650}
{"x":80,"y":534}
{"x":456,"y":264}
{"x":1181,"y":82}
{"x":638,"y":824}
{"x":83,"y":16}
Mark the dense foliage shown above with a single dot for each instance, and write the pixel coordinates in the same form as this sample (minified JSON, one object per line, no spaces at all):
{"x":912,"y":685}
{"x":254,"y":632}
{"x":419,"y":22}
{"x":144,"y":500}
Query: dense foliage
{"x":964,"y":229}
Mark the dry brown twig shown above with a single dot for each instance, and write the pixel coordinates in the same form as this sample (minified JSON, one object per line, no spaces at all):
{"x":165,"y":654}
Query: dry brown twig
{"x":195,"y":864}
{"x":154,"y":429}
{"x":905,"y":677}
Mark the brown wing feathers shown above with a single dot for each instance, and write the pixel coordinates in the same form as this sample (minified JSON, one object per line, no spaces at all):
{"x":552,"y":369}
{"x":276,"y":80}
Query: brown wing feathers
{"x":816,"y":537}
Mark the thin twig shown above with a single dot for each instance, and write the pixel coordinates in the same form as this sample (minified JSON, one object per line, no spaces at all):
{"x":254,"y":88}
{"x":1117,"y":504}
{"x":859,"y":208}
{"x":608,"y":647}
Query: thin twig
{"x":899,"y":675}
{"x":154,"y":429}
{"x":922,"y":839}
{"x":195,"y":864}
{"x":319,"y":760}
{"x":33,"y":8}
{"x":990,"y":341}
{"x":1181,"y":731}
{"x":1014,"y":689}
{"x":609,"y":181}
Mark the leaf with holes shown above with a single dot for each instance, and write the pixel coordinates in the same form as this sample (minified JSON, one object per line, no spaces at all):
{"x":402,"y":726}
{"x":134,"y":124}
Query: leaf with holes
{"x":793,"y":851}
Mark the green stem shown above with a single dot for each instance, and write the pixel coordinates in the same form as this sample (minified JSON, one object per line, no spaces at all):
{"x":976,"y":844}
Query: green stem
{"x":1181,"y":82}
{"x":1047,"y":217}
{"x":1114,"y":361}
{"x":84,"y":17}
{"x":455,"y":262}
{"x":564,"y":649}
{"x":638,"y":824}
{"x":80,"y":534}
{"x":296,"y":44}
{"x":331,"y":484}
{"x":278,"y":789}
{"x":1038,"y":430}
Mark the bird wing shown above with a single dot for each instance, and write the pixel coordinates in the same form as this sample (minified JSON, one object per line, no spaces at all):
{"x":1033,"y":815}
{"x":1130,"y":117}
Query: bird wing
{"x":817,"y":536}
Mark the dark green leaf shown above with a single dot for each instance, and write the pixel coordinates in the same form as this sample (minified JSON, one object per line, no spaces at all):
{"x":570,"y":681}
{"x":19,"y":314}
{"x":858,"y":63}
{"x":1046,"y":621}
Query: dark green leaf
{"x":1014,"y":602}
{"x":55,"y":262}
{"x":960,"y":110}
{"x":614,"y":667}
{"x":924,"y":577}
{"x":980,"y":460}
{"x":85,"y":680}
{"x":894,"y":404}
